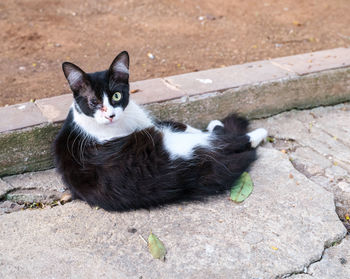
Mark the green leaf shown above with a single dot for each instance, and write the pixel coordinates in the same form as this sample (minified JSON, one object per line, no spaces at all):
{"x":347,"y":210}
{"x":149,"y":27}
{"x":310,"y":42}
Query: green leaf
{"x":242,"y":188}
{"x":156,"y":247}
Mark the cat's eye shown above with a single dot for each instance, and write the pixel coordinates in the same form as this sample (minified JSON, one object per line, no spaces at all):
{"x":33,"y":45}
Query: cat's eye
{"x":117,"y":96}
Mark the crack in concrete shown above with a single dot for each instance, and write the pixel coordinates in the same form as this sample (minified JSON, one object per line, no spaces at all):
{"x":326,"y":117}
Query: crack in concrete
{"x":306,"y":268}
{"x":3,"y":197}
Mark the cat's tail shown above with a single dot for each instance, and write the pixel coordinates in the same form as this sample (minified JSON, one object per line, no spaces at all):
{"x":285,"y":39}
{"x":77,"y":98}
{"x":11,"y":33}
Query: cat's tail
{"x":237,"y":126}
{"x":231,"y":124}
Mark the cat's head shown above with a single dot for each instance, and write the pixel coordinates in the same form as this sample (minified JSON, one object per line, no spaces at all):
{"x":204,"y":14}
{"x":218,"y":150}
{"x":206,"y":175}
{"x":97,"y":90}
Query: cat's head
{"x":101,"y":95}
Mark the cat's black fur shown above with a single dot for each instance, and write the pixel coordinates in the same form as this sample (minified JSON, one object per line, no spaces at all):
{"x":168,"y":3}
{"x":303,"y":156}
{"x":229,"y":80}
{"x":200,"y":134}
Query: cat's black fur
{"x":136,"y":171}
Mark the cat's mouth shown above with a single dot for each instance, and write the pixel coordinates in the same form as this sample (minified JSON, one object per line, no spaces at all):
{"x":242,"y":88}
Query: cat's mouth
{"x":110,"y":119}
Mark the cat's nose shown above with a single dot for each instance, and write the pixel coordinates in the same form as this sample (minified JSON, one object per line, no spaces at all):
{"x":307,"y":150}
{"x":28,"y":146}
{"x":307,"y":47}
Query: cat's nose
{"x":112,"y":116}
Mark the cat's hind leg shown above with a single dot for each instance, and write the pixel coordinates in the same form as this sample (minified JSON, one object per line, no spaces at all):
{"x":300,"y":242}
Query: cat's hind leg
{"x":257,"y":136}
{"x":213,"y":124}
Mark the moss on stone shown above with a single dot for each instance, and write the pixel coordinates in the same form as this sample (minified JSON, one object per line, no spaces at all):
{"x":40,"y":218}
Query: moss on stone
{"x":27,"y":150}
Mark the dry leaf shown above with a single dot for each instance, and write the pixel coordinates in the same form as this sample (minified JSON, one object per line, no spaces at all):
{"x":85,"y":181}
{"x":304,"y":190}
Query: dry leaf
{"x":134,"y":91}
{"x":66,"y":197}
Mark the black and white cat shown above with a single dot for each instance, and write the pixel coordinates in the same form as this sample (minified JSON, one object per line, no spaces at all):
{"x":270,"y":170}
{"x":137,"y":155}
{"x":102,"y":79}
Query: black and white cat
{"x":113,"y":154}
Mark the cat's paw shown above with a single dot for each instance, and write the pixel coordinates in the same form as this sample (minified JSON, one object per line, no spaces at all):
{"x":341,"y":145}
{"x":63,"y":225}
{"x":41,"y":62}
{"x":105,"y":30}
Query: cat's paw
{"x":257,"y":136}
{"x":212,"y":124}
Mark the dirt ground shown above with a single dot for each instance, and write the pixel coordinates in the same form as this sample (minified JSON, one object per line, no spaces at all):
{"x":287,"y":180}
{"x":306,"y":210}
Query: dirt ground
{"x":183,"y":36}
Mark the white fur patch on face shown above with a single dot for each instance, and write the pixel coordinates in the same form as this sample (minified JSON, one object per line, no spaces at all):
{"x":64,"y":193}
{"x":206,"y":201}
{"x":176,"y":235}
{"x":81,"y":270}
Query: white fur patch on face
{"x":181,"y":144}
{"x":257,"y":136}
{"x":120,"y":67}
{"x":107,"y":114}
{"x":126,"y":121}
{"x":74,"y":76}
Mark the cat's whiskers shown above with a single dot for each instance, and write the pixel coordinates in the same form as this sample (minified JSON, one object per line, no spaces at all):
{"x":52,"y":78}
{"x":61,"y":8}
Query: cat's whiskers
{"x":149,"y":136}
{"x":73,"y":146}
{"x":71,"y":149}
{"x":81,"y":148}
{"x":85,"y":138}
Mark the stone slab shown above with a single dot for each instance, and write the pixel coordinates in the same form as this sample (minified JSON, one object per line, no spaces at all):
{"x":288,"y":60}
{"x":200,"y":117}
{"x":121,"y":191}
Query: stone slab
{"x":153,"y":91}
{"x":33,"y":196}
{"x":27,"y":150}
{"x":55,"y":109}
{"x":315,"y":61}
{"x":20,"y":116}
{"x":229,"y":77}
{"x":281,"y":228}
{"x":320,"y":150}
{"x":47,"y":180}
{"x":261,"y":100}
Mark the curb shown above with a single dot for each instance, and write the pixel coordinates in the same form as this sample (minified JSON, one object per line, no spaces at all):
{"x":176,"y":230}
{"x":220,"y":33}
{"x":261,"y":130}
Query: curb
{"x":257,"y":89}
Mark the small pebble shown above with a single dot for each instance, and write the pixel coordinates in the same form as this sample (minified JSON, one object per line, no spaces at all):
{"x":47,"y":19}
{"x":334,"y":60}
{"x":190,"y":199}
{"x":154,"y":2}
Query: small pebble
{"x":150,"y":56}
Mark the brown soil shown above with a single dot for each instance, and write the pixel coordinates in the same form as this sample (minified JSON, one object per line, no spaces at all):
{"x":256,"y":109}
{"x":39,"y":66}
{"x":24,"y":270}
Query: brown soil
{"x":184,"y":36}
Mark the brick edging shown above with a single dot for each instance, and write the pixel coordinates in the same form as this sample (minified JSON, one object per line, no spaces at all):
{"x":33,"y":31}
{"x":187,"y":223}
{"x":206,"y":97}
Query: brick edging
{"x":255,"y":89}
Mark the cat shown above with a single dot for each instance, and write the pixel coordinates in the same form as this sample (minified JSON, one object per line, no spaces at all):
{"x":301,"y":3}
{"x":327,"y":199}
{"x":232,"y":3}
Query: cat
{"x":113,"y":154}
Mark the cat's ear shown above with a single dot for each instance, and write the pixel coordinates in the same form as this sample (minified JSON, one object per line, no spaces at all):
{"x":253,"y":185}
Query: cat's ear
{"x":76,"y":77}
{"x":119,"y":69}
